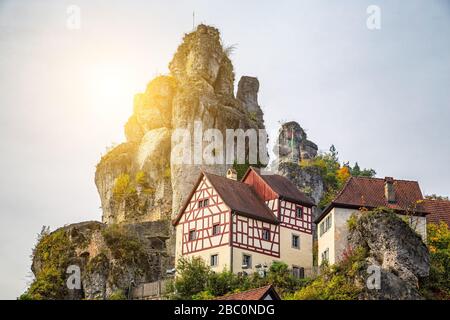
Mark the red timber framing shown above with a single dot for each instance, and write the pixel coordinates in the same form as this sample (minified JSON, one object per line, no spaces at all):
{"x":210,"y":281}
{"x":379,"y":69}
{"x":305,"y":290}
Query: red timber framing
{"x":203,"y":218}
{"x":284,"y":210}
{"x":248,"y":235}
{"x":288,"y":216}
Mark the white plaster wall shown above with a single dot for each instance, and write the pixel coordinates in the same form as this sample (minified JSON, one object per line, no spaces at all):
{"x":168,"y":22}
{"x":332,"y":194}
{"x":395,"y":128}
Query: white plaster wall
{"x":302,"y":257}
{"x":326,"y":240}
{"x":257,"y":258}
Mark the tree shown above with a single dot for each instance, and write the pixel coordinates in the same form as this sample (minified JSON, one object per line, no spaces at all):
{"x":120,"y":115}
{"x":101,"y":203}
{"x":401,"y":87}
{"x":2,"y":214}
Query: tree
{"x":437,"y":285}
{"x":193,"y":275}
{"x":356,"y":171}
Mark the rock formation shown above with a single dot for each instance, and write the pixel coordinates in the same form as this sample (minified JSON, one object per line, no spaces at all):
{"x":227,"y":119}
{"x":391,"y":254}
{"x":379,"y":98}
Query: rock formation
{"x":110,"y":258}
{"x":293,"y":146}
{"x":139,"y":179}
{"x":396,"y":249}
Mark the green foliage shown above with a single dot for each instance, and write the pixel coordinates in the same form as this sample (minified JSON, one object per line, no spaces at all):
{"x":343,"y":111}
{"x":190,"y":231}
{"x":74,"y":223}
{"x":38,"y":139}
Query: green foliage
{"x":337,"y":287}
{"x":351,"y":222}
{"x":333,"y":173}
{"x":357,"y":172}
{"x":117,"y":295}
{"x":437,"y":285}
{"x":53,"y":251}
{"x":193,"y":275}
{"x":124,"y":245}
{"x":336,"y":282}
{"x":48,"y":285}
{"x":122,"y":187}
{"x":196,"y":281}
{"x":141,"y":178}
{"x":241,"y":169}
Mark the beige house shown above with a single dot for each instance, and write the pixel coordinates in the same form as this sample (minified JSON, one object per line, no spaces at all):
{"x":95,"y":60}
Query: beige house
{"x":404,"y":197}
{"x":245,"y":225}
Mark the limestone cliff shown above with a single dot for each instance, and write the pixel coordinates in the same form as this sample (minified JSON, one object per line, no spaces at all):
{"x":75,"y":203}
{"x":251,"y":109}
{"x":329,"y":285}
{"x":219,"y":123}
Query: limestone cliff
{"x":138,"y":180}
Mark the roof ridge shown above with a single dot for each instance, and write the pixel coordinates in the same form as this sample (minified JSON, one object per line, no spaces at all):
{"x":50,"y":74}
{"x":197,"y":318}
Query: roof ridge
{"x":378,"y":178}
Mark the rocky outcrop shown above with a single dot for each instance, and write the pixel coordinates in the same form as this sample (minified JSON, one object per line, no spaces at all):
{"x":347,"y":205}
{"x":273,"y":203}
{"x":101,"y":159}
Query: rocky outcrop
{"x":205,"y":97}
{"x":293,"y":147}
{"x":111,"y":258}
{"x":139,"y":179}
{"x":394,"y":248}
{"x":247,"y":93}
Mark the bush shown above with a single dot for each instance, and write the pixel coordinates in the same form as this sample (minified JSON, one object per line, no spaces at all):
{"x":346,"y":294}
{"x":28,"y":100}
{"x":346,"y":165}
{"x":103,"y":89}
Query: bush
{"x":53,"y":251}
{"x":117,"y":295}
{"x":437,"y":284}
{"x":193,"y":275}
{"x":336,"y":282}
{"x":124,"y":245}
{"x":196,"y":281}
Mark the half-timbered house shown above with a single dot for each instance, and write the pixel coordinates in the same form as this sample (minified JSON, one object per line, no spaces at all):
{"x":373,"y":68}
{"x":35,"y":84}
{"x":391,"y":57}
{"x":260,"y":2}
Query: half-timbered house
{"x":245,"y":225}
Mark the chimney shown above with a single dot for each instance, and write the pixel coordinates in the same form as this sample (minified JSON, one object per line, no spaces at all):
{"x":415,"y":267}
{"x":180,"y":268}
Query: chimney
{"x":232,"y":174}
{"x":389,"y":191}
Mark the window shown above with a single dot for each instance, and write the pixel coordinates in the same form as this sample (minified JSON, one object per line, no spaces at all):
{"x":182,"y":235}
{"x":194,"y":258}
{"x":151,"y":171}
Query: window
{"x":192,"y":235}
{"x":216,"y":229}
{"x":325,"y":225}
{"x":200,"y":204}
{"x":326,"y":255}
{"x":205,"y":202}
{"x":299,"y":212}
{"x":246,"y":261}
{"x":214,"y":260}
{"x":298,"y":272}
{"x":295,"y":241}
{"x":266,"y":234}
{"x":328,"y":223}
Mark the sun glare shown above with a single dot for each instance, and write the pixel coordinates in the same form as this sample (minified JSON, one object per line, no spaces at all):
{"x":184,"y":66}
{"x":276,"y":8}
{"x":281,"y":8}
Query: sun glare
{"x":111,"y":90}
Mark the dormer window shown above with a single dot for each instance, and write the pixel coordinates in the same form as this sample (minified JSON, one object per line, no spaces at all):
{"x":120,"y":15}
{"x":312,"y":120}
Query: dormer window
{"x":299,"y":212}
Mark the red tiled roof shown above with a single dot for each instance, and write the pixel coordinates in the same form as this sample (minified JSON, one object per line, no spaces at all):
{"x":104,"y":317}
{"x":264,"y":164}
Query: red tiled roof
{"x":369,"y":193}
{"x":254,"y":294}
{"x":241,"y":197}
{"x":284,"y":188}
{"x":439,"y":210}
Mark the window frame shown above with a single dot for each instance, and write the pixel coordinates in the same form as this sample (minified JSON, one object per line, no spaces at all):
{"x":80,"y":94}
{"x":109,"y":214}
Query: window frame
{"x":264,"y":232}
{"x":211,"y":259}
{"x":192,"y":231}
{"x":297,"y":210}
{"x":298,"y":241}
{"x":216,"y":225}
{"x":249,"y":265}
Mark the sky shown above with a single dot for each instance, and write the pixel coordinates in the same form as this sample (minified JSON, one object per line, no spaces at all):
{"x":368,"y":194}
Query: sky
{"x":382,"y":96}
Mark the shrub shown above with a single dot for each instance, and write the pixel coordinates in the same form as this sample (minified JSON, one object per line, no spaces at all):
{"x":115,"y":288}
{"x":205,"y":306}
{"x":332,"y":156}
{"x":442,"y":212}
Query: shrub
{"x":117,"y":295}
{"x":437,"y":284}
{"x":53,"y":252}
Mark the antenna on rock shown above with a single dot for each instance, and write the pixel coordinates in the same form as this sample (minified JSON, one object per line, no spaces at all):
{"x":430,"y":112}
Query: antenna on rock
{"x":193,"y":20}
